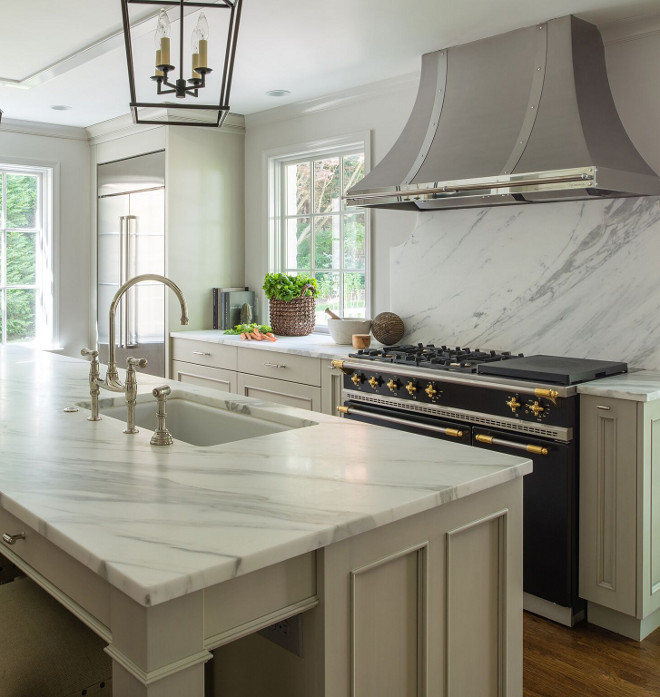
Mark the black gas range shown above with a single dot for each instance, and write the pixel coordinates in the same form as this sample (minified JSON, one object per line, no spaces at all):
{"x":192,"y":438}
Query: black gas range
{"x":504,"y":401}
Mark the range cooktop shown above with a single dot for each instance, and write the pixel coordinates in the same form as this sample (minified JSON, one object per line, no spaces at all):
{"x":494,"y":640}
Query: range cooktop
{"x":458,"y":359}
{"x":561,"y":370}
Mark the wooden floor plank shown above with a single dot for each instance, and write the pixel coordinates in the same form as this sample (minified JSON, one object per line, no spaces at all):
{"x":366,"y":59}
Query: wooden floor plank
{"x":587,"y":661}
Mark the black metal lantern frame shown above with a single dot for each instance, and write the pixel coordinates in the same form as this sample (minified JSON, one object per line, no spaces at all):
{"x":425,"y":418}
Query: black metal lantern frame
{"x":182,"y":88}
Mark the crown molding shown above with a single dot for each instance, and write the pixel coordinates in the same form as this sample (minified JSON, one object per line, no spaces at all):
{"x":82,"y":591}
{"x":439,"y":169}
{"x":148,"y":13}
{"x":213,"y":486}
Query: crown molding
{"x":335,"y":100}
{"x":123,"y":125}
{"x":36,"y":128}
{"x":631,"y":29}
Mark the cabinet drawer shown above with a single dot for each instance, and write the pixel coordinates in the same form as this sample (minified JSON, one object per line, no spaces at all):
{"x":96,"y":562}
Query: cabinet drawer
{"x":217,"y":378}
{"x":281,"y":391}
{"x":204,"y":353}
{"x":282,"y":366}
{"x":77,"y":582}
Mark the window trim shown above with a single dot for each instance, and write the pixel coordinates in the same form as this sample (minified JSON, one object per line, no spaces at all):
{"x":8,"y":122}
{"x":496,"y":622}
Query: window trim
{"x":276,"y":159}
{"x":47,"y":335}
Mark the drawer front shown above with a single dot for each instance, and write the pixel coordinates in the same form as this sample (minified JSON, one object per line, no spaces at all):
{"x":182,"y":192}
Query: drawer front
{"x":204,"y":353}
{"x":282,"y":366}
{"x":83,"y":586}
{"x":217,"y":378}
{"x":291,"y":394}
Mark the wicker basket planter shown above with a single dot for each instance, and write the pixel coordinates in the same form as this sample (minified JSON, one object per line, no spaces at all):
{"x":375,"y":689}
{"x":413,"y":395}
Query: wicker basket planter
{"x":295,"y":317}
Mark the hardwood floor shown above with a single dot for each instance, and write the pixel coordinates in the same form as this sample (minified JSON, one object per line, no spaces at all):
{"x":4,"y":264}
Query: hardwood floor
{"x":587,"y":661}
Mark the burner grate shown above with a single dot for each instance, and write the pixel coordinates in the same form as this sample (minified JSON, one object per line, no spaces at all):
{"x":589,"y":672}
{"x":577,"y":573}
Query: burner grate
{"x":458,"y":359}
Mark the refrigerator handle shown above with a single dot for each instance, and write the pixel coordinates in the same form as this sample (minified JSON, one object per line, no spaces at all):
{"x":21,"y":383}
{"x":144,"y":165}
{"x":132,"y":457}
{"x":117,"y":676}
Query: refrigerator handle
{"x":122,"y":276}
{"x":131,"y":295}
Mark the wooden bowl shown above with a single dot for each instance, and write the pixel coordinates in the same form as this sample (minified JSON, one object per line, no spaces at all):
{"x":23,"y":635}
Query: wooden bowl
{"x":361,"y":341}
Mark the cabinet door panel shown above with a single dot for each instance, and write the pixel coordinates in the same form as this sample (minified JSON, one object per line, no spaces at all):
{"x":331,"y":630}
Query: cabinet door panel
{"x":608,"y":503}
{"x":281,"y":391}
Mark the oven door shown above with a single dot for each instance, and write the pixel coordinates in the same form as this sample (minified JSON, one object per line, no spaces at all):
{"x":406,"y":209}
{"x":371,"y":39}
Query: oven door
{"x":407,"y":421}
{"x":550,"y":534}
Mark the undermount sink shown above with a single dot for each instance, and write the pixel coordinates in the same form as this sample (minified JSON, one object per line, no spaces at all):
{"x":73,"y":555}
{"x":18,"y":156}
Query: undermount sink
{"x":200,"y":424}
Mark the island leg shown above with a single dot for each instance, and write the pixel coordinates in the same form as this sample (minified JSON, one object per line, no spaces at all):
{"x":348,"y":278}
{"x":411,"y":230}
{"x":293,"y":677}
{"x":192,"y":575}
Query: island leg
{"x":158,"y":651}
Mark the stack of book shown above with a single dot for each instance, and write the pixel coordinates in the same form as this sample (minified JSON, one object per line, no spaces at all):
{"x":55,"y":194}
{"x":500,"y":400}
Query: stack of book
{"x":227,"y":304}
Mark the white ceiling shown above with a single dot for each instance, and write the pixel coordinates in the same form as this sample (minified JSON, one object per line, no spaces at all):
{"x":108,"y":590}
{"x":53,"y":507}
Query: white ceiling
{"x":72,"y":52}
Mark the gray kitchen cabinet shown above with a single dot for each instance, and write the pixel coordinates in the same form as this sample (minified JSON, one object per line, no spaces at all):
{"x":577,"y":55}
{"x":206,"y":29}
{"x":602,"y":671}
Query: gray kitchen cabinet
{"x":274,"y":376}
{"x":620,"y":513}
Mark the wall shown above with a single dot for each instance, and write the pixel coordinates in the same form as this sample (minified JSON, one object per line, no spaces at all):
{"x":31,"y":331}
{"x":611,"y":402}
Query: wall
{"x":67,"y":150}
{"x":381,"y":108}
{"x":572,"y":278}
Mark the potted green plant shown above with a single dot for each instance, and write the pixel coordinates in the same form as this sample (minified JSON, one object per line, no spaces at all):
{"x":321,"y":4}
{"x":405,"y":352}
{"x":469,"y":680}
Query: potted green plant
{"x":291,"y":303}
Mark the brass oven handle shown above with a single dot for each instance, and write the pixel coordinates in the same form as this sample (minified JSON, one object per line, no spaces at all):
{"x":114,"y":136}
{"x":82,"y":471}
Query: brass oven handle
{"x":490,"y":440}
{"x":11,"y":539}
{"x":451,"y":432}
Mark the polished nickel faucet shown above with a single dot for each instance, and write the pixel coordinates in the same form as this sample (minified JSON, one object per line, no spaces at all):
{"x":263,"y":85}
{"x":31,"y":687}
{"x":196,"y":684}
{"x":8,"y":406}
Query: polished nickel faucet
{"x":111,"y":381}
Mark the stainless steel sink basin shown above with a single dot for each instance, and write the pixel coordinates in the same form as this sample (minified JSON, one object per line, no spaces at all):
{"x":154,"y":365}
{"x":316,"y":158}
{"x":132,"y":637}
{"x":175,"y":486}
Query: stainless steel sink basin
{"x":200,"y":424}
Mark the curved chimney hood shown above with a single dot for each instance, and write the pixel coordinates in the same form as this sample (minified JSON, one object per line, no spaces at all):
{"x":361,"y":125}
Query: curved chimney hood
{"x":522,"y":117}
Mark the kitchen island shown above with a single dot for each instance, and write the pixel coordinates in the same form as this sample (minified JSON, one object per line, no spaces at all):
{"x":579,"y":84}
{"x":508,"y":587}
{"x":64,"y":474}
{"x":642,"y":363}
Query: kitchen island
{"x":402,"y":553}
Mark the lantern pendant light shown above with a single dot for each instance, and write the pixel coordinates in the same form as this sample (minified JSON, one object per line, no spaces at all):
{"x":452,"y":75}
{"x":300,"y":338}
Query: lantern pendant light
{"x":167,"y":72}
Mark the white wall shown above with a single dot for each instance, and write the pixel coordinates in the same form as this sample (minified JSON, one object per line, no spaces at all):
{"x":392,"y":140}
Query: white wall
{"x":67,"y":150}
{"x":383,"y":109}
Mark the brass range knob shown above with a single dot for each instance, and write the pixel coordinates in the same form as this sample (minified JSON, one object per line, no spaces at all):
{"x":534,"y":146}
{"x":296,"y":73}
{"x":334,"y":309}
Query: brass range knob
{"x":356,"y":379}
{"x":411,"y":387}
{"x":536,"y":408}
{"x":393,"y":384}
{"x":374,"y":381}
{"x":431,"y":391}
{"x":513,"y":404}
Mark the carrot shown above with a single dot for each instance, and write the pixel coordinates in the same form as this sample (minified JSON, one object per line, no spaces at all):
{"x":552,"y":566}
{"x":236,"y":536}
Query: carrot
{"x":243,"y":336}
{"x":270,"y":336}
{"x":256,"y":336}
{"x":248,"y":336}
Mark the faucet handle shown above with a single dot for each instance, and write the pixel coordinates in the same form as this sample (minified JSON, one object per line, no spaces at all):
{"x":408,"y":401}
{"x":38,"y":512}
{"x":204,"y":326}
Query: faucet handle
{"x":89,"y":352}
{"x":136,"y":362}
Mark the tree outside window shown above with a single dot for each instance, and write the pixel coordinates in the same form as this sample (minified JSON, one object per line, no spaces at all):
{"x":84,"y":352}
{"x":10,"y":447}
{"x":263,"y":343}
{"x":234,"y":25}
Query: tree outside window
{"x":21,"y":239}
{"x":322,"y":236}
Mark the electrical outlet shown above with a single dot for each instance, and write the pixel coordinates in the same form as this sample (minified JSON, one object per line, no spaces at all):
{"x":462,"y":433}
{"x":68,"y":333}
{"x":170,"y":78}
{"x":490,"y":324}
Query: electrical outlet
{"x":286,"y":633}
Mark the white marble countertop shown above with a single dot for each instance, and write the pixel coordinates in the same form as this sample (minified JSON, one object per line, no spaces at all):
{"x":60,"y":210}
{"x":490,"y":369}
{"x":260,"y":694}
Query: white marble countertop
{"x":160,"y":522}
{"x":314,"y":345}
{"x":639,"y":386}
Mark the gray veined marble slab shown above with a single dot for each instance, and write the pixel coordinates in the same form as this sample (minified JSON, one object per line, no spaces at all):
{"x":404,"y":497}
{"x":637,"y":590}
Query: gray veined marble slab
{"x":159,"y":523}
{"x":574,"y":279}
{"x":640,"y":386}
{"x":313,"y":345}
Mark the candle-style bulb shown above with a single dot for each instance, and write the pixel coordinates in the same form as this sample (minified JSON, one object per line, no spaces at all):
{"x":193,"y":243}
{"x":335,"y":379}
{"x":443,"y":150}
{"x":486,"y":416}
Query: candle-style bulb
{"x":202,"y":32}
{"x":162,"y":38}
{"x":162,"y":28}
{"x":203,"y":27}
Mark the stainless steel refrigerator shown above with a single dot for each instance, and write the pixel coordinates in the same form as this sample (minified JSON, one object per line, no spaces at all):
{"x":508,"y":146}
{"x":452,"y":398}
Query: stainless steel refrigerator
{"x":131,"y":241}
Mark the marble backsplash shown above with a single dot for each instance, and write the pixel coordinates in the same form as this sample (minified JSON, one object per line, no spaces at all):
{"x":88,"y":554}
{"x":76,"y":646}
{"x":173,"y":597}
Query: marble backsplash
{"x":574,"y":279}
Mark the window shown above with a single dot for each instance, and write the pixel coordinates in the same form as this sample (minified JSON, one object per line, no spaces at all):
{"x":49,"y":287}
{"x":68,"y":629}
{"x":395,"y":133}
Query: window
{"x":317,"y":234}
{"x":26,"y":275}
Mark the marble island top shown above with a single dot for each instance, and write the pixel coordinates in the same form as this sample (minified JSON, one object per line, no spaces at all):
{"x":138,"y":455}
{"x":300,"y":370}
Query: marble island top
{"x":160,"y":522}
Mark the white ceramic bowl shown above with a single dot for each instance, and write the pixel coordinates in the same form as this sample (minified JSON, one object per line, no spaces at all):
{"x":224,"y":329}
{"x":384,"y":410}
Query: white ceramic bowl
{"x":341,"y":330}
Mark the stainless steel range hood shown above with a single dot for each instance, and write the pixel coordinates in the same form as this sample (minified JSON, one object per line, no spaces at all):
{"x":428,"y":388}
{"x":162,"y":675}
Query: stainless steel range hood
{"x":522,"y":117}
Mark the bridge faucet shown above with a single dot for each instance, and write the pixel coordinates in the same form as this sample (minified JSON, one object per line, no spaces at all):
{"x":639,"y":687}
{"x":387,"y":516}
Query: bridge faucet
{"x":111,"y":381}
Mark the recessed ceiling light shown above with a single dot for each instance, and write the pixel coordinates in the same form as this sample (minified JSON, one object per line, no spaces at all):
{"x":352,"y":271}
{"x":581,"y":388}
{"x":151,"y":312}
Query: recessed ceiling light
{"x":60,"y":107}
{"x":278,"y":93}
